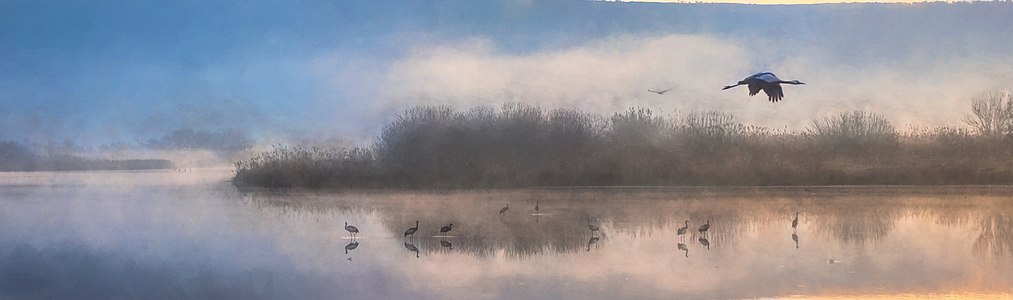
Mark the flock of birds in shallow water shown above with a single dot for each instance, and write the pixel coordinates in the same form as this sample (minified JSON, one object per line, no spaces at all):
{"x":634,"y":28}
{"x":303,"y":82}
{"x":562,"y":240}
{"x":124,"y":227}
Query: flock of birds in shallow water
{"x":681,"y":232}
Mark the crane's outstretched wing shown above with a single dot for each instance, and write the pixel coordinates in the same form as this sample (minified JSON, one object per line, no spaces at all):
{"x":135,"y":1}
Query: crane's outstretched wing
{"x":773,"y":91}
{"x":754,"y":87}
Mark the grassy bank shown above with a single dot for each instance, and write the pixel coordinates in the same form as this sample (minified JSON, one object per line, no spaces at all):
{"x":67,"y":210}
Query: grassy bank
{"x":525,"y":146}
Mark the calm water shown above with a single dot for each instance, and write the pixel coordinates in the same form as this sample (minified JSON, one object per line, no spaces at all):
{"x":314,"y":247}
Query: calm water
{"x":192,"y":235}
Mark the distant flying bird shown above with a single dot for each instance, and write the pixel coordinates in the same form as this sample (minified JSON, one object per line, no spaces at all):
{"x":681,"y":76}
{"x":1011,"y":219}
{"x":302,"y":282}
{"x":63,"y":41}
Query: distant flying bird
{"x":412,"y":230}
{"x":505,"y":209}
{"x":351,"y":229}
{"x":659,"y":92}
{"x":766,"y":81}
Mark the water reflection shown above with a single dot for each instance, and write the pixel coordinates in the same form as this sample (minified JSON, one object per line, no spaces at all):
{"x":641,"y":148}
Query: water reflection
{"x":859,"y":241}
{"x":351,"y":245}
{"x":704,"y":242}
{"x":592,"y":241}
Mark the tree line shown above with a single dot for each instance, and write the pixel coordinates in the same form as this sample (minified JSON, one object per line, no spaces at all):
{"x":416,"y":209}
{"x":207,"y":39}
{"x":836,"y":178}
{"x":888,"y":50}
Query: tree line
{"x":519,"y":145}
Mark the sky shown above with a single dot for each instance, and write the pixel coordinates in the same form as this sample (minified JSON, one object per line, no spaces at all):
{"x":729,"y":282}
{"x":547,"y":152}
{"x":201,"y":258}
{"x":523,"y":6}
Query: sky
{"x":98,"y":72}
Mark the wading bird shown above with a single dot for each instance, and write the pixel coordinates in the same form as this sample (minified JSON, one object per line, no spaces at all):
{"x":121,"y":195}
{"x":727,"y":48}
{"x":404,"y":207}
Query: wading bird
{"x":703,"y":229}
{"x":445,"y":229}
{"x":593,"y":228}
{"x":659,"y":92}
{"x":411,"y":231}
{"x":504,"y":209}
{"x":682,"y":230}
{"x":794,"y":222}
{"x":766,"y":81}
{"x":351,"y":229}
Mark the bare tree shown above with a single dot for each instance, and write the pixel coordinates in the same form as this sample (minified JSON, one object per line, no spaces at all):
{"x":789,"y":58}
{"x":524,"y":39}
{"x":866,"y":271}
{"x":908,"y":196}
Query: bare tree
{"x":992,"y":114}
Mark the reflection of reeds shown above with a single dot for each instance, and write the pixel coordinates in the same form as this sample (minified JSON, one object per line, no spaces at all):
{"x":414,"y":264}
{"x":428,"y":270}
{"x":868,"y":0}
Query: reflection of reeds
{"x":996,"y":235}
{"x":846,"y":215}
{"x":520,"y":145}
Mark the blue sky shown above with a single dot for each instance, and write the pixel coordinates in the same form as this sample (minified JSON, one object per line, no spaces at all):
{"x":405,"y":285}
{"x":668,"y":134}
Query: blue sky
{"x":106,"y":71}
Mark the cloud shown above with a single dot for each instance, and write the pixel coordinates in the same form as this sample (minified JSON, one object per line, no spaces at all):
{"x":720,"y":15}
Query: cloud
{"x":614,"y":73}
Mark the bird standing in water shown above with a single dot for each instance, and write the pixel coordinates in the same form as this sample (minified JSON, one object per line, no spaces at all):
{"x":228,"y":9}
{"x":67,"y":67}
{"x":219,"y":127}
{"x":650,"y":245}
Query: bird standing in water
{"x":445,"y":229}
{"x":411,"y":231}
{"x":682,"y":230}
{"x":705,"y":227}
{"x":794,"y":222}
{"x":504,"y":209}
{"x":351,"y":229}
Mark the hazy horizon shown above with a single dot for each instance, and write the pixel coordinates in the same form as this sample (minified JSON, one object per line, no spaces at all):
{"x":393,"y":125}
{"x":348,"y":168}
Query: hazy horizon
{"x":102,"y":72}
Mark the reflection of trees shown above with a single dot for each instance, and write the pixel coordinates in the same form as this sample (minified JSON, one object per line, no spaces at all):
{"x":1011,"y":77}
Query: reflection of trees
{"x":856,"y":220}
{"x":847,"y":215}
{"x":996,"y":236}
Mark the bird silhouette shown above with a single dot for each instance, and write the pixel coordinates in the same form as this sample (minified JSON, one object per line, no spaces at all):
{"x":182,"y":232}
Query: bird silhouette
{"x":766,"y":81}
{"x":351,"y":229}
{"x":593,"y":228}
{"x":682,"y":230}
{"x":504,"y":209}
{"x":446,"y":244}
{"x":591,"y":241}
{"x":411,"y":231}
{"x":794,"y":237}
{"x":705,"y":227}
{"x":684,"y":248}
{"x":445,"y":229}
{"x":705,"y":242}
{"x":411,"y":247}
{"x":351,"y":246}
{"x":794,"y":222}
{"x":536,"y":205}
{"x":659,"y":92}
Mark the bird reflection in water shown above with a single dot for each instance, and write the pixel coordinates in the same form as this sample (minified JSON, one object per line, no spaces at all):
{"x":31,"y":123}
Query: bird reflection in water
{"x":592,"y":241}
{"x":446,"y":244}
{"x":684,"y":248}
{"x":704,"y":242}
{"x":411,"y":247}
{"x":592,"y":227}
{"x":794,"y":237}
{"x":351,"y":246}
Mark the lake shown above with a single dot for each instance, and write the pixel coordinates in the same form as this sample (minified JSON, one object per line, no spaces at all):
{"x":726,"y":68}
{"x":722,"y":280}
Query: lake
{"x":164,"y":234}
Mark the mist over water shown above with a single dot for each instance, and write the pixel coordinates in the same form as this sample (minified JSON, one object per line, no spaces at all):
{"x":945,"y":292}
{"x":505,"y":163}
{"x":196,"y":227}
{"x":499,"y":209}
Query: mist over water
{"x":162,"y":234}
